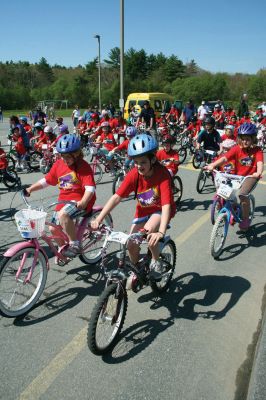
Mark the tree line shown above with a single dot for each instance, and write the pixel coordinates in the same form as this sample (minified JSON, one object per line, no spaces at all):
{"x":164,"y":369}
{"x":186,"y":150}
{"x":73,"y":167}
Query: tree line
{"x":23,"y":84}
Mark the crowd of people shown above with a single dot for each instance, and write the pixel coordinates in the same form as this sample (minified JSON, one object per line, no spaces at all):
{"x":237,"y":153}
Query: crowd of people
{"x":232,"y":136}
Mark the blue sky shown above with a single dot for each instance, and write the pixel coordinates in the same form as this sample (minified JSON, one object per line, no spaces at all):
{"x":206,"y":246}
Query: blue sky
{"x":221,"y":36}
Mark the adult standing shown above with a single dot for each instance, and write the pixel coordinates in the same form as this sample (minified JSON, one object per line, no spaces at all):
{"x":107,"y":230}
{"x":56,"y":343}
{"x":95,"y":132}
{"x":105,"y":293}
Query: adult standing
{"x":1,"y":114}
{"x":75,"y":116}
{"x":39,"y":116}
{"x":203,"y":111}
{"x":87,"y":114}
{"x":147,"y":116}
{"x":243,"y":106}
{"x":188,"y":111}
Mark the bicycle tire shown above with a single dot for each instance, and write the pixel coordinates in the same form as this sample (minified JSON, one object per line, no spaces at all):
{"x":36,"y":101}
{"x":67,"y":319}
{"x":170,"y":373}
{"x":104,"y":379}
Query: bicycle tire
{"x":252,"y":206}
{"x":34,"y":161}
{"x":45,"y":165}
{"x":11,"y":163}
{"x":177,"y":189}
{"x":94,"y":254}
{"x":195,"y":162}
{"x":14,"y":175}
{"x":215,"y":208}
{"x":221,"y":224}
{"x":19,"y":287}
{"x":97,"y":172}
{"x":182,"y":153}
{"x":168,"y":267}
{"x":201,"y":181}
{"x":100,"y":317}
{"x":117,"y":182}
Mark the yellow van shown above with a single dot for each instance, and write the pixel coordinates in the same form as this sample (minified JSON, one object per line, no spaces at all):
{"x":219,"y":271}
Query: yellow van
{"x":158,"y":101}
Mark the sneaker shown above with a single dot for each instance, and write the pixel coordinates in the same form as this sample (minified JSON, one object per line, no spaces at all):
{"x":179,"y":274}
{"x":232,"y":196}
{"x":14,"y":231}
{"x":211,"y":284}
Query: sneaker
{"x":156,"y":270}
{"x":72,"y":251}
{"x":244,"y":225}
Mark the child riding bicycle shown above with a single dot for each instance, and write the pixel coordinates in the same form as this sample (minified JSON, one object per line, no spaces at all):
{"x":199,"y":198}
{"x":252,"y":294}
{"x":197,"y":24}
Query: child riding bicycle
{"x":168,"y":156}
{"x":248,"y":161}
{"x":152,"y":186}
{"x":74,"y":178}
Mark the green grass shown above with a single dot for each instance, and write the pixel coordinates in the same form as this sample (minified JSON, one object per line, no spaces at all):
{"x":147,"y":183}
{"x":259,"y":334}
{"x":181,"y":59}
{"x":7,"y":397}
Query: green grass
{"x":61,"y":113}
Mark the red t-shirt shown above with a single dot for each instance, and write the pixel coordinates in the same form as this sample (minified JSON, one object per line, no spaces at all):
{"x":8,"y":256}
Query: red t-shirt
{"x":93,"y":125}
{"x":108,"y":141}
{"x":168,"y":159}
{"x":194,"y":129}
{"x":71,"y":181}
{"x":19,"y":146}
{"x":228,"y":166}
{"x":82,"y":125}
{"x":152,"y":193}
{"x":218,"y":115}
{"x":123,"y":145}
{"x":3,"y":161}
{"x":245,"y":160}
{"x":234,"y":137}
{"x":115,"y":123}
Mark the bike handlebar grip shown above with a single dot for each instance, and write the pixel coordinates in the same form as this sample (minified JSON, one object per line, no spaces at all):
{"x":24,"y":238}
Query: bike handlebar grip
{"x":25,"y":193}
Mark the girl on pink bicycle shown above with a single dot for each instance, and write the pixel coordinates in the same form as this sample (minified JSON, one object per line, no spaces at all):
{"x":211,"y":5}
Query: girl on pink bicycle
{"x":248,"y":161}
{"x":75,"y":181}
{"x":151,"y":183}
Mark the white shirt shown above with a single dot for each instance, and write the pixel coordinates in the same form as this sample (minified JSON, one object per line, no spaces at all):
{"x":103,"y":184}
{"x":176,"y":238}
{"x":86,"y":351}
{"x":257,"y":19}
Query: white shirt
{"x":202,"y":111}
{"x":76,"y":113}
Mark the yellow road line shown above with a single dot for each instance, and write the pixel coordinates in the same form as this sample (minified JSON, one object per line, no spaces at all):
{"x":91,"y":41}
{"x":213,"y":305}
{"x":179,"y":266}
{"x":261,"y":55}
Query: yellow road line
{"x":192,"y":229}
{"x":48,"y":375}
{"x":44,"y":380}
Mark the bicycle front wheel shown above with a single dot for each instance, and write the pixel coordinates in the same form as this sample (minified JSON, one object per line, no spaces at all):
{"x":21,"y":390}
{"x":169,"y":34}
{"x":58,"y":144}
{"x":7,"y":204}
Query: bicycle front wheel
{"x":168,"y":260}
{"x":182,"y":153}
{"x":252,"y":206}
{"x":177,"y":189}
{"x":218,"y":235}
{"x":93,"y":243}
{"x":201,"y":181}
{"x":215,"y":208}
{"x":117,"y":182}
{"x":34,"y":161}
{"x":18,"y":291}
{"x":107,"y":319}
{"x":12,"y":179}
{"x":97,"y":172}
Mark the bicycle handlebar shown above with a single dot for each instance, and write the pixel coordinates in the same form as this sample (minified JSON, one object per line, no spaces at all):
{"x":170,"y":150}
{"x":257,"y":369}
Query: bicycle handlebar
{"x":23,"y":195}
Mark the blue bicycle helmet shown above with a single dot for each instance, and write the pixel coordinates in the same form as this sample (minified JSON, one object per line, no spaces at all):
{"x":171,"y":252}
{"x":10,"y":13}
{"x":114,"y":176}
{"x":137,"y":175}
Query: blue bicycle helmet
{"x":24,"y":119}
{"x":68,"y":144}
{"x":247,"y":129}
{"x":141,"y":145}
{"x":131,"y":131}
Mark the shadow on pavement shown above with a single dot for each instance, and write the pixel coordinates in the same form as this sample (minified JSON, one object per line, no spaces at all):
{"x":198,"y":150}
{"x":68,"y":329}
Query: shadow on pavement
{"x":139,"y":336}
{"x":254,"y":237}
{"x":191,"y":204}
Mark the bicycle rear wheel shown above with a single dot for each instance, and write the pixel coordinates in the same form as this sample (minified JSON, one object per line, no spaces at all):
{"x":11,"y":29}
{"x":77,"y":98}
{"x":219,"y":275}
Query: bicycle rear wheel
{"x":107,"y":319}
{"x":97,"y":171}
{"x":168,"y":260}
{"x":17,"y":296}
{"x":177,"y":189}
{"x":201,"y":181}
{"x":94,"y":242}
{"x":218,"y":235}
{"x":12,"y":179}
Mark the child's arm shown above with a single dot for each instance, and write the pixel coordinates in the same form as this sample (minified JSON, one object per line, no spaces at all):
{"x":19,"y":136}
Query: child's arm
{"x":82,"y":204}
{"x":260,"y":168}
{"x":109,"y":206}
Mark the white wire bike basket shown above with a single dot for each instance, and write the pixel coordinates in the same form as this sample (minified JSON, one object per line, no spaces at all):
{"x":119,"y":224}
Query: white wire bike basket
{"x":30,"y":223}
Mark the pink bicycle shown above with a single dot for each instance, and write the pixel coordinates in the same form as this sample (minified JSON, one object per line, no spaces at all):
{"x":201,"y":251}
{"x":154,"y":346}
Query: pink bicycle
{"x":24,"y":268}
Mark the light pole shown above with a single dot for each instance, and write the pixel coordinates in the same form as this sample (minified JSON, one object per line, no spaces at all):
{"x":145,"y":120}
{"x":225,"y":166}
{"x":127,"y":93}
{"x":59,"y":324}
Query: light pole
{"x":121,"y":100}
{"x":98,"y":37}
